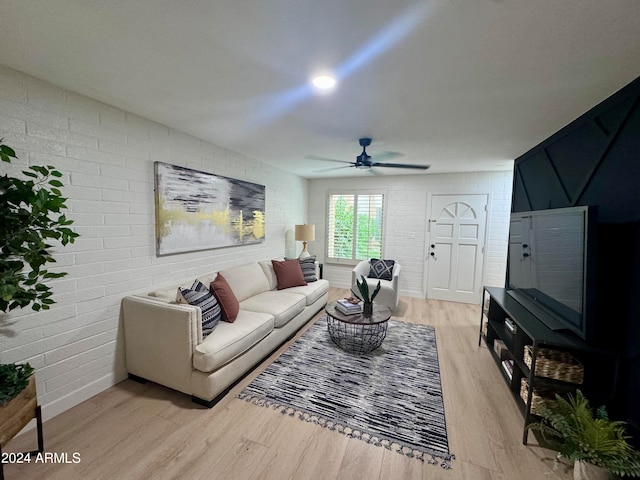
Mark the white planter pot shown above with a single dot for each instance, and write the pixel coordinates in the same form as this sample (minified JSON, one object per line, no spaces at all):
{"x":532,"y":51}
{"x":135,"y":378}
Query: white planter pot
{"x":588,"y":471}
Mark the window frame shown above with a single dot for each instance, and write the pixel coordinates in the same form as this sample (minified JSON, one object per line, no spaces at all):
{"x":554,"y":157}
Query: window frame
{"x":355,"y":193}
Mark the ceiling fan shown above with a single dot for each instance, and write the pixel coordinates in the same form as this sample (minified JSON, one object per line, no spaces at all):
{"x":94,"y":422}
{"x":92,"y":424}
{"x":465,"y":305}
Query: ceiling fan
{"x":366,"y":161}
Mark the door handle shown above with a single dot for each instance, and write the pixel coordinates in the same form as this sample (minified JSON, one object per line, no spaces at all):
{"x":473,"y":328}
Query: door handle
{"x":433,"y":246}
{"x":432,"y":254}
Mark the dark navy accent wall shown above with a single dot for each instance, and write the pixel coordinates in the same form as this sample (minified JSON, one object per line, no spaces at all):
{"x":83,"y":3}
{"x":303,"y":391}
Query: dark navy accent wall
{"x":595,"y":160}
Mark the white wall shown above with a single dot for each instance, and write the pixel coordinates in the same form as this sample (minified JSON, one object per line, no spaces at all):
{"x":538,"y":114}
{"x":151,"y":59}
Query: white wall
{"x":407,"y":212}
{"x":107,"y":156}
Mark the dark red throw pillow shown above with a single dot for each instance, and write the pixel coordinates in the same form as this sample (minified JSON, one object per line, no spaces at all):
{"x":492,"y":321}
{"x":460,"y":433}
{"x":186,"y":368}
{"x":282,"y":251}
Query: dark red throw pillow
{"x":227,"y":299}
{"x":288,"y":273}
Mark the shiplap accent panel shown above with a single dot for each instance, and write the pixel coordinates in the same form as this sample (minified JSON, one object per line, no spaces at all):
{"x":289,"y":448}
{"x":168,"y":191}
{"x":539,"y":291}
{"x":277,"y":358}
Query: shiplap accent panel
{"x":595,"y":160}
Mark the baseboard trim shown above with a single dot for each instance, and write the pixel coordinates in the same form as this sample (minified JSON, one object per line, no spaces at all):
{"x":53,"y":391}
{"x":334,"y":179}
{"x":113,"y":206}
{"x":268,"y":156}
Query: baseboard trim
{"x":76,"y":397}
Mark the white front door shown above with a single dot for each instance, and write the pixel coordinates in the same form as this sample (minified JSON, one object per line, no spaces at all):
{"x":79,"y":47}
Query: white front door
{"x":457,"y":225}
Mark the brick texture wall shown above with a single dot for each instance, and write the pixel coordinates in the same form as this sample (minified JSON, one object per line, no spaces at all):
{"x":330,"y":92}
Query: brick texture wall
{"x":106,"y":156}
{"x":406,"y":221}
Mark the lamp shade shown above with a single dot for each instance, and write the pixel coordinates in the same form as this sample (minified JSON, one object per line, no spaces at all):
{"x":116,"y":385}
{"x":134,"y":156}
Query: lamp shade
{"x":305,"y":233}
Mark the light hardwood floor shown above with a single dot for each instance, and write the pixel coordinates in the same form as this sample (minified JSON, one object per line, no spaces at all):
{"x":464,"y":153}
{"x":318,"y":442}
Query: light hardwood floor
{"x":134,"y":431}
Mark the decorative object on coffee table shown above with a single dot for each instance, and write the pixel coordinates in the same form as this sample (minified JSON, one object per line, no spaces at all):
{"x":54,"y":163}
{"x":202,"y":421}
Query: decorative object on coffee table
{"x":367,"y":299}
{"x":359,"y":396}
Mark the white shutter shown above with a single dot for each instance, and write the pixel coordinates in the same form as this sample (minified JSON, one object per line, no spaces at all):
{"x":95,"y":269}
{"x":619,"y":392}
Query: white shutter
{"x":354,"y":226}
{"x":369,"y":226}
{"x":340,"y":227}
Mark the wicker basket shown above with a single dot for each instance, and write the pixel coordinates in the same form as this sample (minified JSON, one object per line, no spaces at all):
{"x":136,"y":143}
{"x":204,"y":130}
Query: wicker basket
{"x":538,"y":398}
{"x":555,"y":364}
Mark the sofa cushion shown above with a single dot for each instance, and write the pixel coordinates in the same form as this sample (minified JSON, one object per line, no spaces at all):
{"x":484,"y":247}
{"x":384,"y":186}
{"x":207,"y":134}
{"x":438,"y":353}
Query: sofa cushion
{"x":288,"y":273}
{"x":200,"y":296}
{"x":226,"y":297}
{"x":312,"y":291}
{"x":231,"y":340}
{"x":381,"y":269}
{"x":246,"y":280}
{"x":308,"y":266}
{"x":168,"y":295}
{"x":267,"y":268}
{"x":282,"y":305}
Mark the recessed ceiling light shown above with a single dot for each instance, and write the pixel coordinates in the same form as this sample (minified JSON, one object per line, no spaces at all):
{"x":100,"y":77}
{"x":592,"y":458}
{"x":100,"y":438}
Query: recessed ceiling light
{"x":323,"y":82}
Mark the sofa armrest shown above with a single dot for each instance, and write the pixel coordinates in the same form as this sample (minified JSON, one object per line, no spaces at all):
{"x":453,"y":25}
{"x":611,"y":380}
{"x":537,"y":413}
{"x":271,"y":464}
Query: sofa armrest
{"x":160,"y":339}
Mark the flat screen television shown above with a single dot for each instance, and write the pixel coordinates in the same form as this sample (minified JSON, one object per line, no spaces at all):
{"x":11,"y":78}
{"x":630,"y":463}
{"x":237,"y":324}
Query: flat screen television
{"x":551,"y":266}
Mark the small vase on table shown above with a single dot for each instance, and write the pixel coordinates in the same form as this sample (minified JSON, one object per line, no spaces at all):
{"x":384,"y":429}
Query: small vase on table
{"x":363,"y":294}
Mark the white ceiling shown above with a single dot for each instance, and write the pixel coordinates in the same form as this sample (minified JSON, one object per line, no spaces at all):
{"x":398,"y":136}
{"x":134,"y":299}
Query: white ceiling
{"x":463,"y":85}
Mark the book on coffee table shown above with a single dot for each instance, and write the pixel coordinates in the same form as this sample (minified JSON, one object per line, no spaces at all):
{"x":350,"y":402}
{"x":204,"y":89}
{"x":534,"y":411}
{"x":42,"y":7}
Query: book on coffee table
{"x":348,"y":307}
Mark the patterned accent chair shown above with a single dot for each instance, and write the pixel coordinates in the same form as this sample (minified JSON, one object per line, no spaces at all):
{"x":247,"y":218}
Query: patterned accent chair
{"x":385,"y":271}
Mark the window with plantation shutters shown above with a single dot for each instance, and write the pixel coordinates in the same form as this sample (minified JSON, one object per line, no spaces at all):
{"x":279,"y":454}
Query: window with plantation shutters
{"x":354,"y":230}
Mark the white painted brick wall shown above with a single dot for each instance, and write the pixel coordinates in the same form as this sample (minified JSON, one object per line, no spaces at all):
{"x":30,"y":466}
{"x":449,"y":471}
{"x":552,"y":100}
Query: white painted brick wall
{"x":406,"y":208}
{"x":106,"y":156}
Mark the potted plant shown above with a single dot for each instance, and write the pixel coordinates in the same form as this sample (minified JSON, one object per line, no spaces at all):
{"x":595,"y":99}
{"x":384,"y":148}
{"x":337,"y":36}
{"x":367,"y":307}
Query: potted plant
{"x":18,"y":401}
{"x":31,"y":218}
{"x":597,"y":445}
{"x":367,"y":300}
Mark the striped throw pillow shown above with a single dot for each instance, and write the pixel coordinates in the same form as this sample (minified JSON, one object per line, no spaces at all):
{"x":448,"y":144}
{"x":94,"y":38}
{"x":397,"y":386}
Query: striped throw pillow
{"x":200,"y":296}
{"x":308,"y":265}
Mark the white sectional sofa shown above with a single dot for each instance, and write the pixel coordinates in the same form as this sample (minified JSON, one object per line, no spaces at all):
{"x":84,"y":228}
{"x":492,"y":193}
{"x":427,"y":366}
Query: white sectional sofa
{"x":163,"y":338}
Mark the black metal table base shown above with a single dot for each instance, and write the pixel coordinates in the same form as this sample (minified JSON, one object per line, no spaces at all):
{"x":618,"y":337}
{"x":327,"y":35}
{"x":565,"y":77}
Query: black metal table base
{"x":356,"y":338}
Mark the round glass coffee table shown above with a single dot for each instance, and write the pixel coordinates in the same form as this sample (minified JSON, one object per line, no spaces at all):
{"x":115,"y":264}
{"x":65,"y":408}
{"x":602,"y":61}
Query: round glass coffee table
{"x":357,"y":333}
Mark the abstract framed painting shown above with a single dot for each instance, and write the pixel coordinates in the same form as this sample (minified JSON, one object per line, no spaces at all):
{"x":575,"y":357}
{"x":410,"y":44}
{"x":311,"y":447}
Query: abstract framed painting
{"x":200,"y":211}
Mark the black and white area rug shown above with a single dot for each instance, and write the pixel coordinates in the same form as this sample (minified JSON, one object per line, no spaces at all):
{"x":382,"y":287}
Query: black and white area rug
{"x":391,"y":397}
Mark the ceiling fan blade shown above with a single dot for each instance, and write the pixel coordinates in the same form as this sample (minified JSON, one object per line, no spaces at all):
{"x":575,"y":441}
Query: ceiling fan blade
{"x":401,"y":165}
{"x":332,"y":168}
{"x":324,"y":159}
{"x":386,"y":156}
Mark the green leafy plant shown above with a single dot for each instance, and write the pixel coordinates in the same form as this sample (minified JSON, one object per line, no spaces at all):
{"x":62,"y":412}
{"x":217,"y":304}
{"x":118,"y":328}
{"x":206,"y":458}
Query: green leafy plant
{"x":578,"y":433}
{"x":13,"y":379}
{"x":31,"y":217}
{"x":363,"y":289}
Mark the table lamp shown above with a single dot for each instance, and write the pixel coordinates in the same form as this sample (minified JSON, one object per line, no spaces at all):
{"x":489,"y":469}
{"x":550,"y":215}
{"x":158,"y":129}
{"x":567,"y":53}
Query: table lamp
{"x":304,"y":234}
